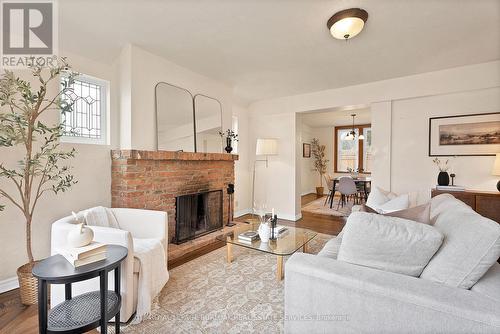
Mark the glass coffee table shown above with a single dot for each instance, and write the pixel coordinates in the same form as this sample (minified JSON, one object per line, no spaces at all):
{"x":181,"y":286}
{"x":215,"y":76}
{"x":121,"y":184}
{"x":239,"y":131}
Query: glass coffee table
{"x":289,"y":241}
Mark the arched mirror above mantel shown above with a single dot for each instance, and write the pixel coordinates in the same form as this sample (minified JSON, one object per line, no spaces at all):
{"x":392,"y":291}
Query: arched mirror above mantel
{"x":208,"y":124}
{"x":185,"y":122}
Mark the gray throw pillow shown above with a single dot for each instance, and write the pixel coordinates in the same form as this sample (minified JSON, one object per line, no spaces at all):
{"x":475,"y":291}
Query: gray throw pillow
{"x":420,"y":214}
{"x":388,"y":243}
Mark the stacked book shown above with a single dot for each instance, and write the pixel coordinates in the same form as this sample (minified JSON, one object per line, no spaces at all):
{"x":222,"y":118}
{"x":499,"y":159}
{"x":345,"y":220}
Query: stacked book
{"x":248,"y":236}
{"x":81,"y":256}
{"x":450,"y":188}
{"x":280,"y":229}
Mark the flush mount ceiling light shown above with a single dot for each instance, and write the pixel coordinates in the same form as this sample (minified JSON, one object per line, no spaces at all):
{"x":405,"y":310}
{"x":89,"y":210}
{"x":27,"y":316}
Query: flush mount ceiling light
{"x":347,"y":23}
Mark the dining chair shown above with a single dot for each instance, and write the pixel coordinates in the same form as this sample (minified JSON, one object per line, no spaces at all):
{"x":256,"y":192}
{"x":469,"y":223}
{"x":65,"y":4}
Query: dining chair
{"x":347,"y":187}
{"x":329,"y":184}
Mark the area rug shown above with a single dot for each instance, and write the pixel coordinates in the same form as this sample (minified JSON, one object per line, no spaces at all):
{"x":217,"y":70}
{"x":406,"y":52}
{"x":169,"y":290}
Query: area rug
{"x":209,"y":295}
{"x":318,"y":206}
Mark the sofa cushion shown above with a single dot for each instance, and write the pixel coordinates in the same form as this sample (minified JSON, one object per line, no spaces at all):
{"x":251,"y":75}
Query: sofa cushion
{"x":471,"y":245}
{"x":489,"y":284}
{"x":379,"y":196}
{"x":388,"y":243}
{"x":331,"y":248}
{"x":420,"y":214}
{"x":447,"y":202}
{"x":384,"y":201}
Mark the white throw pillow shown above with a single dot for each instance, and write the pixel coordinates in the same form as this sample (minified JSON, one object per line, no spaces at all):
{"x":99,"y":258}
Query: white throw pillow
{"x":402,"y":202}
{"x":384,"y":201}
{"x":470,"y":248}
{"x":378,"y":197}
{"x":331,"y":248}
{"x":388,"y":243}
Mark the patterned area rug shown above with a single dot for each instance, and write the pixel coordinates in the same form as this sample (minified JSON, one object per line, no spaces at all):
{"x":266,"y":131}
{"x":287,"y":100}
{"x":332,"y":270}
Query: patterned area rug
{"x":208,"y":295}
{"x":319,"y":207}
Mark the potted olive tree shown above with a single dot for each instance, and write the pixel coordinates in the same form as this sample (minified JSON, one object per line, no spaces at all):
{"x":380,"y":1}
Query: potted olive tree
{"x":320,"y":163}
{"x":41,"y":168}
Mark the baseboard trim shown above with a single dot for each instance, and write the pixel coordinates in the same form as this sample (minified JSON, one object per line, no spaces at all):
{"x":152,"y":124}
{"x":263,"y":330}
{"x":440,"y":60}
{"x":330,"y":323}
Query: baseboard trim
{"x":290,"y":217}
{"x":313,"y":191}
{"x":9,"y":284}
{"x":242,"y":212}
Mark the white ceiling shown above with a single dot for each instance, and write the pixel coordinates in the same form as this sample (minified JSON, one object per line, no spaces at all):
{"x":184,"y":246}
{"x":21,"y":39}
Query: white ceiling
{"x":332,"y":117}
{"x":269,"y":48}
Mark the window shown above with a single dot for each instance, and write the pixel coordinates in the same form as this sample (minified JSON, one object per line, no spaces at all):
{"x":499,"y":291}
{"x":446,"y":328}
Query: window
{"x":353,"y":154}
{"x":87,"y":123}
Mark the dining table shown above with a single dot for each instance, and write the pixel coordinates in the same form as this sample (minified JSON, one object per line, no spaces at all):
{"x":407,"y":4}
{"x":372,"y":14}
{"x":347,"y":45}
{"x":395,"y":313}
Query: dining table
{"x":359,"y":180}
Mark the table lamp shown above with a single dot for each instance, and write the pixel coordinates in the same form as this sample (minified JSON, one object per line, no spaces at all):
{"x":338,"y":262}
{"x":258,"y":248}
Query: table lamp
{"x":265,"y":147}
{"x":496,"y":169}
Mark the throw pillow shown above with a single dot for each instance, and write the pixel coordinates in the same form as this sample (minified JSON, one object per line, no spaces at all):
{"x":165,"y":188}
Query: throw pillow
{"x":379,"y":196}
{"x":420,"y":214}
{"x":388,"y":243}
{"x":384,"y":201}
{"x":331,"y":248}
{"x":100,"y":216}
{"x":470,"y":248}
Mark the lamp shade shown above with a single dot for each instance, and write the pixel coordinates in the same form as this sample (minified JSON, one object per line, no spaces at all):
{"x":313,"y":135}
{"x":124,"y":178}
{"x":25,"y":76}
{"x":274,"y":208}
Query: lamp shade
{"x":267,"y":146}
{"x":496,"y":166}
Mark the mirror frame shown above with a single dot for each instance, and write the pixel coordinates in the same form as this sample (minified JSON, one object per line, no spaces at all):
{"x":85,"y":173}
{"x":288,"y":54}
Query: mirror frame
{"x":194,"y":108}
{"x":156,"y":111}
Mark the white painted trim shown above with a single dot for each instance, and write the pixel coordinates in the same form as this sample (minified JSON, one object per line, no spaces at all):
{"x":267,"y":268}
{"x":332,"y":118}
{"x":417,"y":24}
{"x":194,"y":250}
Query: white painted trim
{"x":290,"y":217}
{"x":242,"y":212}
{"x":9,"y":284}
{"x":311,"y":191}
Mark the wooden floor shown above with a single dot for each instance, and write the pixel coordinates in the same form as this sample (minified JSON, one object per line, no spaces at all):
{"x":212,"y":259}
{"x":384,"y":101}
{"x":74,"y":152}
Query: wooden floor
{"x":16,"y":318}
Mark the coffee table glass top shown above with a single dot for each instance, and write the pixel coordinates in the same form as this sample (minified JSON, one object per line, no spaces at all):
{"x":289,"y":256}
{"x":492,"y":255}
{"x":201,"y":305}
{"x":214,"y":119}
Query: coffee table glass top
{"x":287,"y":243}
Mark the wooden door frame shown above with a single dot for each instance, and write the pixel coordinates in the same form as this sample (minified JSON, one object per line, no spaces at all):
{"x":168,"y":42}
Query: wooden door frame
{"x":360,"y":128}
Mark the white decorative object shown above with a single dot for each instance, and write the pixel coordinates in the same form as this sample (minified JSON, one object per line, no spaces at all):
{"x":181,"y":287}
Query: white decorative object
{"x":264,"y":232}
{"x":80,"y":236}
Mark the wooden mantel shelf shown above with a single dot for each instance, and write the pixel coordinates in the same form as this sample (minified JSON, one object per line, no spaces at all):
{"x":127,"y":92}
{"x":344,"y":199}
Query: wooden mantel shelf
{"x":170,"y":155}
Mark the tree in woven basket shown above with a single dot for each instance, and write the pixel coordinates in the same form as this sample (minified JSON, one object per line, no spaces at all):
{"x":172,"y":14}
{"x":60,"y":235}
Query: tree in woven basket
{"x":41,"y":169}
{"x":320,"y":161}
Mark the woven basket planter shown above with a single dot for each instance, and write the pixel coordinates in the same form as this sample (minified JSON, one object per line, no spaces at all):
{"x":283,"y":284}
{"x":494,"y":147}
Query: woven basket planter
{"x":28,"y":284}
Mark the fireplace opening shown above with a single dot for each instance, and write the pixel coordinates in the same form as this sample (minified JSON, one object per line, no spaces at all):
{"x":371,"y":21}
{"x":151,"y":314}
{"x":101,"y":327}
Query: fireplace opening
{"x":197,"y":214}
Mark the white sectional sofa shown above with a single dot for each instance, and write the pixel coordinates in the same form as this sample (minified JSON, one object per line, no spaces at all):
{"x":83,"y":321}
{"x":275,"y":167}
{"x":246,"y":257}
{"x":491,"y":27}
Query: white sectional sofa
{"x":326,"y":295}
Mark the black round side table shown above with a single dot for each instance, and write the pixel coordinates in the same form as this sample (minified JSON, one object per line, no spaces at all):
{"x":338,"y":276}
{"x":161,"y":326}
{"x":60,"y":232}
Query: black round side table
{"x":86,"y":311}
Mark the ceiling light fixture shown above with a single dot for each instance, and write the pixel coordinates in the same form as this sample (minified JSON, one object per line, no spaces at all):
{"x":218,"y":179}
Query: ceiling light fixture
{"x":352,"y":134}
{"x":347,"y":23}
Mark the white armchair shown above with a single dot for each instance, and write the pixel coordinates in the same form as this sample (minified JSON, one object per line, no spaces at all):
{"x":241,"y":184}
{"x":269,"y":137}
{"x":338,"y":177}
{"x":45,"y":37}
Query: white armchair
{"x":134,"y":223}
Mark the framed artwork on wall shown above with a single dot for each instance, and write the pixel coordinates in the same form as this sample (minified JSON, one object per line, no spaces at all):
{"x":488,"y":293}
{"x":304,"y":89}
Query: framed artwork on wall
{"x":306,"y":150}
{"x":464,"y":135}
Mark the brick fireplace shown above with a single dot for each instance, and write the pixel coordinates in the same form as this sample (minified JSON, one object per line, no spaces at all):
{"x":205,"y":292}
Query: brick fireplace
{"x":153,"y":179}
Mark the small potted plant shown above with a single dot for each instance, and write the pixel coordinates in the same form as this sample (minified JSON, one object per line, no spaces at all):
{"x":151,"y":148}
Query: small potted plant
{"x":230,"y":136}
{"x":320,"y":163}
{"x":443,"y":177}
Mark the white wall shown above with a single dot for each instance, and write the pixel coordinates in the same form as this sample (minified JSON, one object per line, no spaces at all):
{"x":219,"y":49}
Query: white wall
{"x":411,"y":167}
{"x":309,"y":177}
{"x":243,"y":174}
{"x":460,"y":81}
{"x":92,"y":168}
{"x":146,"y":70}
{"x":275,"y":185}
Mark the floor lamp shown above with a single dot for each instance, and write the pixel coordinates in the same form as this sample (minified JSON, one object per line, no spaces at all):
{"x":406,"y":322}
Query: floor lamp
{"x":265,"y":147}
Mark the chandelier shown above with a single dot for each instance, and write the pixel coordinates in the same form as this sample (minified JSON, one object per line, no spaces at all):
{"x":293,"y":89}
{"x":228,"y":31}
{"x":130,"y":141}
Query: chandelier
{"x":352,"y":134}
